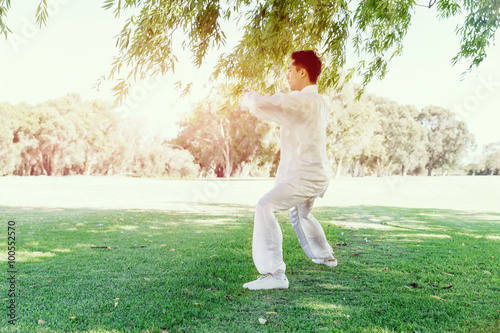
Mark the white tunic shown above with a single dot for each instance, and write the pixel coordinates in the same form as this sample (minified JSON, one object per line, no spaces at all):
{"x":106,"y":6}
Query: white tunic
{"x":303,"y":117}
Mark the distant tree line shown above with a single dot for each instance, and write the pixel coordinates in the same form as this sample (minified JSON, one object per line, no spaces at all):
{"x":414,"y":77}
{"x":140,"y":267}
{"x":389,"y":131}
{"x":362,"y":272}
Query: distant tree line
{"x":487,"y":163}
{"x":369,"y":136}
{"x":69,"y":136}
{"x":377,"y":136}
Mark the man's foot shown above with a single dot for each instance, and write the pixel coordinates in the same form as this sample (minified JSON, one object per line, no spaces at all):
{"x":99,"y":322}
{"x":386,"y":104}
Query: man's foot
{"x":327,"y":262}
{"x":267,"y":281}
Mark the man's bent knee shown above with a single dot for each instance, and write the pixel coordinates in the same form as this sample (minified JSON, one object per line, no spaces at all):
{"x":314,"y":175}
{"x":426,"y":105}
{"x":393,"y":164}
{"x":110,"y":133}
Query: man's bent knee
{"x":264,"y":206}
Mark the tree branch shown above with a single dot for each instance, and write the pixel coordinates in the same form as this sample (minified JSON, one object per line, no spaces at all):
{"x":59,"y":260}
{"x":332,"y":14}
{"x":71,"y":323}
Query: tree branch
{"x":431,"y":3}
{"x":182,"y":16}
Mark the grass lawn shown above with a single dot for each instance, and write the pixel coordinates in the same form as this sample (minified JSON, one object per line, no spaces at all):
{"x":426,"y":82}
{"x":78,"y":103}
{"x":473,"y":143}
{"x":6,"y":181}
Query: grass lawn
{"x":400,"y":270}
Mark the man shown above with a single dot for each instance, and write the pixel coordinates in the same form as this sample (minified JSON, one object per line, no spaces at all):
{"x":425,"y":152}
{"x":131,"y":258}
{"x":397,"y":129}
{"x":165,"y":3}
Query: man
{"x":303,"y":172}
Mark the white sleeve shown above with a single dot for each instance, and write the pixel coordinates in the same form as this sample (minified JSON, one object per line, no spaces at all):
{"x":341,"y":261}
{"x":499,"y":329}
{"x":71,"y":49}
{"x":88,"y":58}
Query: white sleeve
{"x":279,"y":108}
{"x":264,"y":107}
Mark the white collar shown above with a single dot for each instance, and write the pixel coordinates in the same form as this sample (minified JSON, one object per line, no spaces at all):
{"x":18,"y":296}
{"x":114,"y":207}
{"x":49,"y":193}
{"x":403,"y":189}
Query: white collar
{"x":310,"y":88}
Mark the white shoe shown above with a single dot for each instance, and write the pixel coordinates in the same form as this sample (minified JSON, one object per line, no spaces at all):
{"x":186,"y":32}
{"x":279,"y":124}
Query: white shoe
{"x":327,"y":262}
{"x":267,"y":281}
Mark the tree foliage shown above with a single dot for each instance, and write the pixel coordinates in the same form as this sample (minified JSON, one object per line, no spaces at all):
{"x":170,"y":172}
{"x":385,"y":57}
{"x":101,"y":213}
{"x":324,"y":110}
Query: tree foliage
{"x":492,"y":158}
{"x":350,"y":128}
{"x":369,"y":136}
{"x":488,"y":163}
{"x":271,"y":30}
{"x":69,"y":136}
{"x":404,"y":138}
{"x":447,"y":137}
{"x":376,"y":136}
{"x":228,"y":142}
{"x":10,"y":146}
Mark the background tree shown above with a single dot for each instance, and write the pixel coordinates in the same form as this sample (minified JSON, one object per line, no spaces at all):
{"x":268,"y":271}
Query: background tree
{"x":404,"y":137}
{"x":224,"y":141}
{"x":374,"y":156}
{"x":46,"y":137}
{"x":350,"y":127}
{"x":10,"y":147}
{"x":204,"y":134}
{"x":179,"y":163}
{"x":271,"y":30}
{"x":492,"y":159}
{"x":100,"y":139}
{"x":372,"y":135}
{"x":447,"y":138}
{"x":69,"y":136}
{"x":156,"y":157}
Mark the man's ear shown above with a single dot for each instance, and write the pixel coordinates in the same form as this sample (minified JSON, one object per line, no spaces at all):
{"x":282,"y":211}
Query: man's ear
{"x":303,"y":72}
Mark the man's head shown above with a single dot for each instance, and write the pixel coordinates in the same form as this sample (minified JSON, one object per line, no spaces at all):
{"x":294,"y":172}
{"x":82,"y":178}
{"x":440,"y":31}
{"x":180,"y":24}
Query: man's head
{"x":304,"y":69}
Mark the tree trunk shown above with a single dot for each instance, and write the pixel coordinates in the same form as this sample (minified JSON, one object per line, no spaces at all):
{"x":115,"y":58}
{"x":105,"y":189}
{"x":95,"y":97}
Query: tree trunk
{"x":339,"y":166}
{"x":228,"y":169}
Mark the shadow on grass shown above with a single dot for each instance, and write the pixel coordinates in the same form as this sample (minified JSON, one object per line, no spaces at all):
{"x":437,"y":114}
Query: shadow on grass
{"x":400,"y":270}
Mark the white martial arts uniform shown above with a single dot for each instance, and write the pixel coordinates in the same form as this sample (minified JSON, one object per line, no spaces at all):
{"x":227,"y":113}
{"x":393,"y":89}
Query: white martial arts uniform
{"x":303,"y":175}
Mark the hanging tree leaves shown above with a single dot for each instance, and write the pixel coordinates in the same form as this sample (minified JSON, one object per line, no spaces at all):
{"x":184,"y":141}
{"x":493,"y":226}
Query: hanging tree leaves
{"x":271,"y":30}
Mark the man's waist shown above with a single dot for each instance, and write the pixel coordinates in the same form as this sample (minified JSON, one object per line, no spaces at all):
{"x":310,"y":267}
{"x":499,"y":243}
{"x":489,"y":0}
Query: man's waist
{"x":307,"y":165}
{"x":313,"y":171}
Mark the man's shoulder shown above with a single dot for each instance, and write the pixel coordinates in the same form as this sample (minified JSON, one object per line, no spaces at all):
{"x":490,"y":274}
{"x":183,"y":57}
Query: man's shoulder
{"x":312,"y":88}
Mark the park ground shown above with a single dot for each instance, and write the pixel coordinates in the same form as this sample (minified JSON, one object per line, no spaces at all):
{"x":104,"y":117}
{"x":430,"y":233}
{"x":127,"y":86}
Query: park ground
{"x":473,"y":193}
{"x":119,"y":254}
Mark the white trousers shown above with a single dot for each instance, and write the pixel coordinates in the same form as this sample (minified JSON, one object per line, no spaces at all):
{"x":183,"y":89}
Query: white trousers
{"x":267,"y":244}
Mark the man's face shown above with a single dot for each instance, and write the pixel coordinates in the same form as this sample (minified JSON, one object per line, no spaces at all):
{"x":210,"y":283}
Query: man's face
{"x":294,"y":76}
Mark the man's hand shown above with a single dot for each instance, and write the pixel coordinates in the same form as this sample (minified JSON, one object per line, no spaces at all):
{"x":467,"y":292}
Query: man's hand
{"x":245,"y":91}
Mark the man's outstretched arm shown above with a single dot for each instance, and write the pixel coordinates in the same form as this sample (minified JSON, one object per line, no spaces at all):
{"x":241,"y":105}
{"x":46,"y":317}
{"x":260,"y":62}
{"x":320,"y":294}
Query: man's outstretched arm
{"x":279,"y":108}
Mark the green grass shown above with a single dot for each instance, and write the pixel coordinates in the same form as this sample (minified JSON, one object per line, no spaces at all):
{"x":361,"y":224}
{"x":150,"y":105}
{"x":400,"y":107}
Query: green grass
{"x":400,"y":270}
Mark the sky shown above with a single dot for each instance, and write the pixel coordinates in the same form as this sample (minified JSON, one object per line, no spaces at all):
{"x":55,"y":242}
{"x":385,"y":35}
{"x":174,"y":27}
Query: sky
{"x":78,"y":44}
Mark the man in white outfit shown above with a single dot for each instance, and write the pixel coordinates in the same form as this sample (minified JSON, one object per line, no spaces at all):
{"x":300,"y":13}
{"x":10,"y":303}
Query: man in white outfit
{"x":303,"y":172}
